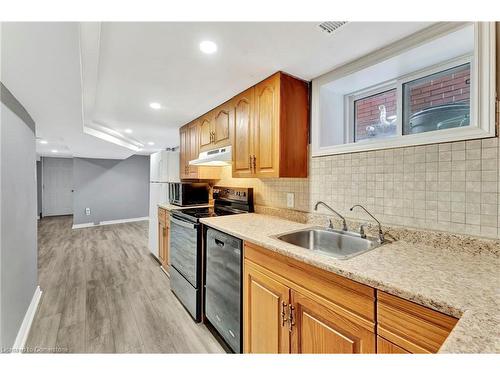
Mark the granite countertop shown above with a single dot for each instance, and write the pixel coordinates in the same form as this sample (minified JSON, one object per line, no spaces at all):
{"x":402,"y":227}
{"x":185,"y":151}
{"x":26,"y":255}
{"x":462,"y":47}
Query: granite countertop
{"x":171,"y":207}
{"x":457,"y":282}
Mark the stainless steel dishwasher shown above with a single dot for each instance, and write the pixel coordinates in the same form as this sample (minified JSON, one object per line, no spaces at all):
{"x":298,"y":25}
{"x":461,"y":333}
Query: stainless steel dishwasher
{"x":223,"y":286}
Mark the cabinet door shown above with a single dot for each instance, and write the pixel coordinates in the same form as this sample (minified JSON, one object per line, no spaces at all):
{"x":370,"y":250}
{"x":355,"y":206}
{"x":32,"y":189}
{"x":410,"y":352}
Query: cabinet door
{"x":264,"y":306}
{"x":205,"y":132}
{"x":266,"y":127}
{"x":222,"y":125}
{"x":184,"y":152}
{"x":166,"y":257}
{"x":317,"y":329}
{"x":193,"y":149}
{"x":242,"y":134}
{"x":161,"y":242}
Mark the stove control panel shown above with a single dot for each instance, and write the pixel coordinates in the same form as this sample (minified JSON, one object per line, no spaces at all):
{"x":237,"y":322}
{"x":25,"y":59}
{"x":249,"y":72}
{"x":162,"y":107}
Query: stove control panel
{"x":235,"y":194}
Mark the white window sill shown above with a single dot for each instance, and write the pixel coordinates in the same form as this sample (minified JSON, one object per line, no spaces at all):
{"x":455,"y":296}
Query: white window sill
{"x":440,"y":136}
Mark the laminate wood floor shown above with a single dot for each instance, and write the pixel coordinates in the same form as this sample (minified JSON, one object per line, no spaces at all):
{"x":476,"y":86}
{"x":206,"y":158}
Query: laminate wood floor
{"x":104,"y":293}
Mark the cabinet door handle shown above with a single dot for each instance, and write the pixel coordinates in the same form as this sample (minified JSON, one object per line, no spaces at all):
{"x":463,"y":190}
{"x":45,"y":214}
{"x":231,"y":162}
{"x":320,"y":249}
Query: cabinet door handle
{"x":254,"y":164}
{"x":291,"y":318}
{"x":283,"y":313}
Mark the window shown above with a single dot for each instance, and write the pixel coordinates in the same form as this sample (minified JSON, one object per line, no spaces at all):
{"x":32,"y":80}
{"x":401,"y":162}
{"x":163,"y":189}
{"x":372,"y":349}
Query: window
{"x":375,"y":116}
{"x":435,"y":86}
{"x":438,"y":101}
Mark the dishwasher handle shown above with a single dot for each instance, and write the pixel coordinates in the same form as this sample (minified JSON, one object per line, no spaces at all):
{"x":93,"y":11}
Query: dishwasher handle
{"x":182,"y":223}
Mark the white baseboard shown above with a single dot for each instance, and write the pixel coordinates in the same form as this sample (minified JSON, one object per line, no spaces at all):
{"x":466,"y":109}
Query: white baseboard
{"x":83,"y":225}
{"x":24,"y":330}
{"x":109,"y":222}
{"x":120,"y":221}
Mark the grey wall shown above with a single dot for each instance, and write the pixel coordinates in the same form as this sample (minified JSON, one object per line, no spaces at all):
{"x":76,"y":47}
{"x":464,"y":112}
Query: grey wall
{"x":112,"y":189}
{"x":39,"y":186}
{"x":18,"y":227}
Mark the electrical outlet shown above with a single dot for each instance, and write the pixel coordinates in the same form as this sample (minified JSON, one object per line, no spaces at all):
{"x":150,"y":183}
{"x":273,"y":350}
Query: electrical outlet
{"x":290,"y":200}
{"x":87,"y":211}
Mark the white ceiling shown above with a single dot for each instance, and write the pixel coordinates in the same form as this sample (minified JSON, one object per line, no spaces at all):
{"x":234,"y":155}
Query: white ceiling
{"x":133,"y":64}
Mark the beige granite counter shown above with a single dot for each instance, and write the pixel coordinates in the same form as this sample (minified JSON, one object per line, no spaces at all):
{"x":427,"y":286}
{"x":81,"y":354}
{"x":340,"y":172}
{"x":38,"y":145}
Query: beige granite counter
{"x":459,"y":283}
{"x":171,"y":207}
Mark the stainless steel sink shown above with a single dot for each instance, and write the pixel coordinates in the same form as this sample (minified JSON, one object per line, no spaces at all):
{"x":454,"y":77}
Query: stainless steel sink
{"x":335,"y":243}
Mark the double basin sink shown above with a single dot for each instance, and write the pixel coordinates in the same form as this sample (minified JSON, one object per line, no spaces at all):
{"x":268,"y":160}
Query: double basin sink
{"x":338,"y":244}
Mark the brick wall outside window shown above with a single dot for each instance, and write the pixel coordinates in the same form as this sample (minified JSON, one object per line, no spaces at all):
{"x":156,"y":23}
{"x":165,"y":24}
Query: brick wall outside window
{"x":451,"y":88}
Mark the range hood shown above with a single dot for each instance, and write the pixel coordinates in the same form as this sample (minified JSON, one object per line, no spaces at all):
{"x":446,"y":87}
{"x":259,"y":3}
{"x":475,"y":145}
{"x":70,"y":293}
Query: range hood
{"x":218,"y":157}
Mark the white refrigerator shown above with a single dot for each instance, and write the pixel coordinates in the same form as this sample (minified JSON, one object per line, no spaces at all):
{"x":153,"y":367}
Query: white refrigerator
{"x":164,"y":168}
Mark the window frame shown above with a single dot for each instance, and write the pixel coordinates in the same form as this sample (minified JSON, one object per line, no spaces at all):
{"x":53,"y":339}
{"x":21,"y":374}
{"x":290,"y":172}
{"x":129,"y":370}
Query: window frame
{"x":397,"y":84}
{"x":482,"y":92}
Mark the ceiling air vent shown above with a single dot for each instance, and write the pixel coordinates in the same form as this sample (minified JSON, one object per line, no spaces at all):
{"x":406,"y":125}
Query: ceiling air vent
{"x":331,"y":27}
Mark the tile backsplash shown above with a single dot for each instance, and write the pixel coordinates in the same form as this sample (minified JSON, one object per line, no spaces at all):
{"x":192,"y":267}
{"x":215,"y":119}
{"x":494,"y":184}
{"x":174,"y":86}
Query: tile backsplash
{"x":449,"y":186}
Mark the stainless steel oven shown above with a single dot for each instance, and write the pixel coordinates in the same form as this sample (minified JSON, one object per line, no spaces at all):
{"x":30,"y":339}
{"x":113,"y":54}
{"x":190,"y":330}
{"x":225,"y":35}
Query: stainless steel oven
{"x":185,"y":260}
{"x":188,"y":193}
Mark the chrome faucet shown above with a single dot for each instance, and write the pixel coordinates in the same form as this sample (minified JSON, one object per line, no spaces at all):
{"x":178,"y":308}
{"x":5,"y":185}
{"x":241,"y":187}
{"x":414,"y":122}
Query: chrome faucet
{"x":380,"y":233}
{"x":344,"y":224}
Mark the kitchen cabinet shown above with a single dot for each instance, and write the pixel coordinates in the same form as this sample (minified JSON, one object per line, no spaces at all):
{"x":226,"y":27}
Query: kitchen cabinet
{"x":386,"y":347}
{"x":319,"y":329}
{"x":206,"y":131}
{"x":266,"y":301}
{"x":189,"y":136}
{"x":267,"y":126}
{"x":163,"y":237}
{"x":291,"y":307}
{"x":272,"y":126}
{"x":412,"y":327}
{"x":215,"y":128}
{"x":242,"y":143}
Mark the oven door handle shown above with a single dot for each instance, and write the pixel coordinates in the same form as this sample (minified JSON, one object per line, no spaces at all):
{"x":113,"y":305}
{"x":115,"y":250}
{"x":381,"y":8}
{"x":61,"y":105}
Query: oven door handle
{"x":184,"y":224}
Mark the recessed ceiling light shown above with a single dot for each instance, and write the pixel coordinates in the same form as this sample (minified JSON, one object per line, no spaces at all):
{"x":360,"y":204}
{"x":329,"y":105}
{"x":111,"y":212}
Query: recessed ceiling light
{"x":151,"y":143}
{"x":155,"y":105}
{"x":207,"y":46}
{"x":53,"y":151}
{"x":128,"y":131}
{"x":43,"y":142}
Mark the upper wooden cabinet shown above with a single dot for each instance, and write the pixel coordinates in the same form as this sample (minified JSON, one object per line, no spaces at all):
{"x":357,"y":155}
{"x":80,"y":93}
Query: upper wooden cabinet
{"x":275,"y":134}
{"x":206,"y":131}
{"x":190,"y":135}
{"x":242,"y":141}
{"x":215,"y":127}
{"x":267,"y":126}
{"x":189,"y":148}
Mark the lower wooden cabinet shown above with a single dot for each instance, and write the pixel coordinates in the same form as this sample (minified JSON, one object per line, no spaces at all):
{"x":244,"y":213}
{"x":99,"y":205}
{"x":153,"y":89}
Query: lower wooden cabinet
{"x":281,"y":316}
{"x":316,"y":329}
{"x":163,"y":237}
{"x":412,"y":327}
{"x":265,"y":301}
{"x":292,"y":307}
{"x":386,"y":347}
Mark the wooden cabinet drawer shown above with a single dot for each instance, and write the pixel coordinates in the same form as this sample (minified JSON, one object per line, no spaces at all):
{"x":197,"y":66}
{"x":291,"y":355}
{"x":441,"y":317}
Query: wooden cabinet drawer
{"x":413,"y":327}
{"x":162,"y":215}
{"x":386,"y":347}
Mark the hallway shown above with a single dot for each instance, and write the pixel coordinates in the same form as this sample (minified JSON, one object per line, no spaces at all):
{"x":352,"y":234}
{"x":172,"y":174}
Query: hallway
{"x":104,"y":293}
